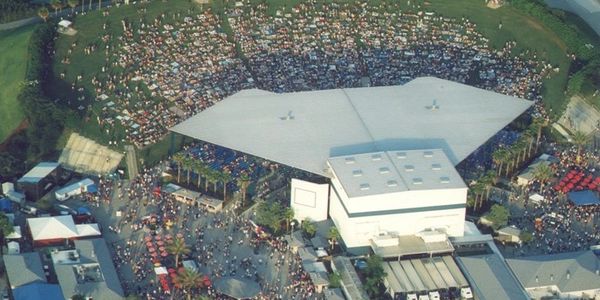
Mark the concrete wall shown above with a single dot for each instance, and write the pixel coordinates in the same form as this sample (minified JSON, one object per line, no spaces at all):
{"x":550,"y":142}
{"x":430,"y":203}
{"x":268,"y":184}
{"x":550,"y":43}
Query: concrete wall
{"x":309,"y":200}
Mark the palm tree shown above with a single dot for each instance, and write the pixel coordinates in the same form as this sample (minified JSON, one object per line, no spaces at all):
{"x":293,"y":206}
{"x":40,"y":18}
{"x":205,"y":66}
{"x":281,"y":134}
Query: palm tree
{"x":580,"y":139}
{"x":216,"y":177}
{"x":488,"y":180}
{"x":199,"y":168}
{"x":188,"y":280}
{"x":72,"y":4}
{"x":309,"y":227}
{"x":243,"y":183}
{"x":334,"y":236}
{"x":179,"y":158}
{"x":528,"y":138}
{"x":537,"y":125}
{"x":498,"y":158}
{"x":56,"y":4}
{"x":43,"y":13}
{"x":519,"y":147}
{"x":188,"y":165}
{"x":288,"y":215}
{"x":543,"y":173}
{"x":477,"y":189}
{"x":177,"y":248}
{"x":225,"y":178}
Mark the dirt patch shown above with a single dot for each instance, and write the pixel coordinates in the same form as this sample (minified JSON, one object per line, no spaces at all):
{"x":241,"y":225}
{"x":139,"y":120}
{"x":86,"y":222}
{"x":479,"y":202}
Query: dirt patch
{"x":537,"y":25}
{"x":22,"y":126}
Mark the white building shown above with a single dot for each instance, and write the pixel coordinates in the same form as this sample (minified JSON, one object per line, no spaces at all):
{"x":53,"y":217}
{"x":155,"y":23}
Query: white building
{"x":400,"y":192}
{"x":404,"y":141}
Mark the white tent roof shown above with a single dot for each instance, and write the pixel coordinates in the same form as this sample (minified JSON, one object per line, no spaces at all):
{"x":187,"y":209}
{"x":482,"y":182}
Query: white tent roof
{"x":88,"y":230}
{"x":65,"y":23}
{"x":52,"y":227}
{"x":304,"y":129}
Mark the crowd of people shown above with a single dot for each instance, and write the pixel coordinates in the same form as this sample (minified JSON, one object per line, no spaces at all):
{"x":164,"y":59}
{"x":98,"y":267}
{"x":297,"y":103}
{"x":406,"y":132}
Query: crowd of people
{"x":161,"y":71}
{"x":333,"y":45}
{"x":556,"y":222}
{"x":222,"y":244}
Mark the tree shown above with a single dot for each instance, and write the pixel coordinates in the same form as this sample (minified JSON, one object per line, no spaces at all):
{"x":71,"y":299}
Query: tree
{"x":43,"y":13}
{"x":525,"y":236}
{"x":580,"y":139}
{"x":537,"y":125}
{"x":498,"y":215}
{"x":335,"y":280}
{"x":374,"y":276}
{"x":188,"y":280}
{"x":243,"y":183}
{"x":179,"y":158}
{"x":10,"y":166}
{"x":188,"y":165}
{"x":225,"y":178}
{"x":72,"y":4}
{"x":178,"y":248}
{"x":270,"y":215}
{"x":501,"y":157}
{"x":542,"y":173}
{"x":6,"y":228}
{"x":56,"y":4}
{"x":288,"y":215}
{"x":334,"y":236}
{"x":199,"y":168}
{"x":212,"y":176}
{"x":309,"y":228}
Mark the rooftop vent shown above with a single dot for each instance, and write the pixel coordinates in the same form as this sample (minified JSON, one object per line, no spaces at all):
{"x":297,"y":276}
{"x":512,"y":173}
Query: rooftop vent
{"x":365,"y":187}
{"x":444,"y":180}
{"x":433,"y":106}
{"x":357,"y":173}
{"x":376,"y":157}
{"x":417,"y":181}
{"x":350,"y":160}
{"x":436,"y":167}
{"x":401,"y":155}
{"x":289,"y":116}
{"x":409,"y":168}
{"x":428,"y":153}
{"x":392,"y":183}
{"x":384,"y":170}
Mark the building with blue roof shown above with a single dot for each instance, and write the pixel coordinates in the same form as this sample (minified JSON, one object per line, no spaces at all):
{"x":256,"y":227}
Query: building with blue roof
{"x":39,"y":180}
{"x":38,"y":290}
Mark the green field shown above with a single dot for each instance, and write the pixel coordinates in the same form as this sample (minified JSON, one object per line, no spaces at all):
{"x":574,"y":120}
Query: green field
{"x":13,"y":64}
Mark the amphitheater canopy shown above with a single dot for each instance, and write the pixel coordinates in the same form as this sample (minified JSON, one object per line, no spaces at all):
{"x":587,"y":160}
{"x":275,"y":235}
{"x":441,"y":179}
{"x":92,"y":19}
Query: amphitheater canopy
{"x":304,"y":129}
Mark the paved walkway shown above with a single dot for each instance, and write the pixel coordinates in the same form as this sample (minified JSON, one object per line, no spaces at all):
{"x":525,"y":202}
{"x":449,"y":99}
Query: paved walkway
{"x":132,"y":165}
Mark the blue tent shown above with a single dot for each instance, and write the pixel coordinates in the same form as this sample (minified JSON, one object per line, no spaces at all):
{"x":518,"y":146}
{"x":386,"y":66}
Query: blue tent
{"x":5,"y":205}
{"x":83,"y":211}
{"x":38,"y":290}
{"x":92,"y":188}
{"x":582,"y":198}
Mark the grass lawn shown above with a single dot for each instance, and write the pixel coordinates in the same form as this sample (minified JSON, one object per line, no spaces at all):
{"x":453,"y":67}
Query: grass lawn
{"x":13,"y":64}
